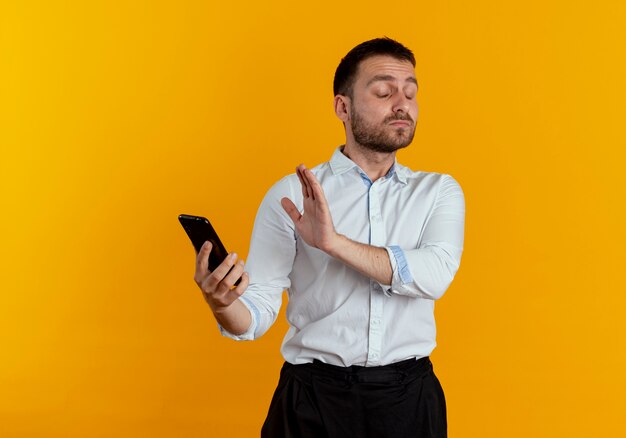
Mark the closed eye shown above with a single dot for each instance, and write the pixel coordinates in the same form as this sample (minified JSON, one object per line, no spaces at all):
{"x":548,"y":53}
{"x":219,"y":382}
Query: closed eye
{"x":410,"y":92}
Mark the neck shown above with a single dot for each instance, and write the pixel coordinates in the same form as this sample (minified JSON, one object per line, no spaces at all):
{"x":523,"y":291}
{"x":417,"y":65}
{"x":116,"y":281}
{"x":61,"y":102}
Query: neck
{"x":374,"y":164}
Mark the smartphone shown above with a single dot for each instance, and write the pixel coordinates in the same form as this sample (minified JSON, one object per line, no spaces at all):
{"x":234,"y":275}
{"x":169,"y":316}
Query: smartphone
{"x":199,"y":230}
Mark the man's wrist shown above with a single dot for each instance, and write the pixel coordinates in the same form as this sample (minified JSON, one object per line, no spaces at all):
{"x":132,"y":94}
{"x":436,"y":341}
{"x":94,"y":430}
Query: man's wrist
{"x":335,"y":246}
{"x":236,"y":318}
{"x":371,"y":261}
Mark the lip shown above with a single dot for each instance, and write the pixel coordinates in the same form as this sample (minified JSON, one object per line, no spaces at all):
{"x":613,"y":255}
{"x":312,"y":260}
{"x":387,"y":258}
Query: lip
{"x":400,"y":123}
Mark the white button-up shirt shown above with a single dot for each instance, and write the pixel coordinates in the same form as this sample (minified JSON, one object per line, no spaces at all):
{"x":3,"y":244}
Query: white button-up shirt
{"x":336,"y":314}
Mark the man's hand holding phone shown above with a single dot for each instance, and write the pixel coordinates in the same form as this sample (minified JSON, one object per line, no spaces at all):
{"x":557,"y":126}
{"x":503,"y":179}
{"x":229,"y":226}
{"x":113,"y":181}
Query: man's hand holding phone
{"x":219,"y":292}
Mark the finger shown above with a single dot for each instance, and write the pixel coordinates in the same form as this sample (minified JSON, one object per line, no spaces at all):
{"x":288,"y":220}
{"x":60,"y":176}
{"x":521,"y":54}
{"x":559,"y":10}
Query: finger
{"x":220,"y":272}
{"x":305,"y":194}
{"x":309,"y":190}
{"x":291,"y":209}
{"x":202,"y":260}
{"x":235,"y":293}
{"x":316,"y":188}
{"x":313,"y":185}
{"x":231,"y":277}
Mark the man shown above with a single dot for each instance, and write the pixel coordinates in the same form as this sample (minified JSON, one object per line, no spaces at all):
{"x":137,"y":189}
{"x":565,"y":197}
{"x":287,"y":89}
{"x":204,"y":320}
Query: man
{"x":364,"y":246}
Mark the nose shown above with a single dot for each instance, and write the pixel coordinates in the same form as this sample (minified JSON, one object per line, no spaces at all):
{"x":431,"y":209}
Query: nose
{"x":401,"y":104}
{"x":405,"y":107}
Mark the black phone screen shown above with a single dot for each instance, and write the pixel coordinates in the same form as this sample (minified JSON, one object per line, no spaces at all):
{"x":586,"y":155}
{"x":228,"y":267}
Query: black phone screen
{"x":199,"y":230}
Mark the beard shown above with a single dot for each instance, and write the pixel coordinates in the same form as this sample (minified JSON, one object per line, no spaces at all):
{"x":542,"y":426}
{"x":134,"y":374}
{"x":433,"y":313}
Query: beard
{"x":377,"y":138}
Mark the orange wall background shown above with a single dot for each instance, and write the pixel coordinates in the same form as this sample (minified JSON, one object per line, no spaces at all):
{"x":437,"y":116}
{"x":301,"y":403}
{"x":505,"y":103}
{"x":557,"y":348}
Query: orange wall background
{"x":117,"y":116}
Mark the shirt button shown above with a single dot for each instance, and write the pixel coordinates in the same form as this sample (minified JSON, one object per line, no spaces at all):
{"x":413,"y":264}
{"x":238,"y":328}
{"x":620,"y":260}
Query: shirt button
{"x":374,"y":355}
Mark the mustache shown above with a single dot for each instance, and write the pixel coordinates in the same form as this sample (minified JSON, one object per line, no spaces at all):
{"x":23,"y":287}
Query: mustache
{"x":399,"y":116}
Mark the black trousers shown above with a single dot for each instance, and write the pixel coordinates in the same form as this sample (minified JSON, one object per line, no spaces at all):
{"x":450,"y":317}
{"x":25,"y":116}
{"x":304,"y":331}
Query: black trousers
{"x":318,"y":400}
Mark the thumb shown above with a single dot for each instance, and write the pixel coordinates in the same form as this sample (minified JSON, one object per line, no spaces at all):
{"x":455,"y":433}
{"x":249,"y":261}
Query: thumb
{"x":291,"y":209}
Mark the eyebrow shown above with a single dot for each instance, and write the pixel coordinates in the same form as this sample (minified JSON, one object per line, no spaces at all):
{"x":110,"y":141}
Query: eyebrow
{"x":389,"y":78}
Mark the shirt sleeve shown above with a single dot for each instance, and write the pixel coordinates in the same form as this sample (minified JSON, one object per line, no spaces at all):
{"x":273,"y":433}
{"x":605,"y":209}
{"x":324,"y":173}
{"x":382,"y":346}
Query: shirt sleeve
{"x":270,"y":261}
{"x":428,"y":270}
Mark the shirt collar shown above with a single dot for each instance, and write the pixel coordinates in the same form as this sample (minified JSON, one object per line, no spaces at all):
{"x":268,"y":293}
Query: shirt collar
{"x":339,"y":164}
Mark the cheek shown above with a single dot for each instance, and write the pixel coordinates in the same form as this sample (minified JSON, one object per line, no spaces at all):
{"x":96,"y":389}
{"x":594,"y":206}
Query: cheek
{"x":371,"y":115}
{"x":374,"y":111}
{"x":378,"y":111}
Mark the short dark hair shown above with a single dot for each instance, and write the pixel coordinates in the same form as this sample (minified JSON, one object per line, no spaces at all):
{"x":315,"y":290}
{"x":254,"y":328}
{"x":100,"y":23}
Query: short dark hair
{"x":346,"y":71}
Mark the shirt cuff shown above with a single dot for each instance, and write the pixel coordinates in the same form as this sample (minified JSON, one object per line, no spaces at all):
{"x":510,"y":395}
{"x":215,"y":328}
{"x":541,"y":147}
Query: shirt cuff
{"x":248,"y":335}
{"x":401,"y":272}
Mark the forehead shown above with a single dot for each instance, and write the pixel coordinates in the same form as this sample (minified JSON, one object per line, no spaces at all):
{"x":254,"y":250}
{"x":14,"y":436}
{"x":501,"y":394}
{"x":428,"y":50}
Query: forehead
{"x":382,"y":65}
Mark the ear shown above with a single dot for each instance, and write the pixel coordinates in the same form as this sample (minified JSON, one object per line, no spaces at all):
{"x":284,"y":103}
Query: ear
{"x":342,"y":107}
